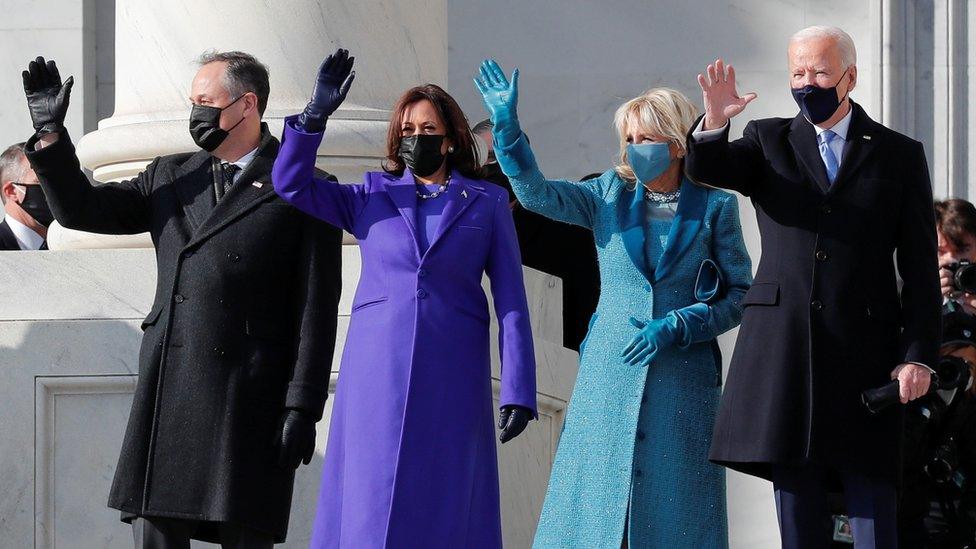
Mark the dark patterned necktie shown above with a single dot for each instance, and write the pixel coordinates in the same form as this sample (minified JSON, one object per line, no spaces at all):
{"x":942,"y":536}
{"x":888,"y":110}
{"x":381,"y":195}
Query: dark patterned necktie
{"x":228,"y":171}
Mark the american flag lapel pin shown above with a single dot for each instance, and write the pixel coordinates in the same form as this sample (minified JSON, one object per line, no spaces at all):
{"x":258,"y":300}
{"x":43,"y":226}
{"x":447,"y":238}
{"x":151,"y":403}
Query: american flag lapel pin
{"x":464,"y":193}
{"x":258,"y":184}
{"x":866,"y":137}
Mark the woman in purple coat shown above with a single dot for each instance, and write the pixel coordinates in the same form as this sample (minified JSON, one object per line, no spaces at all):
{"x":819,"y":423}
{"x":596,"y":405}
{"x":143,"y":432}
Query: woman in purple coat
{"x":411,"y":457}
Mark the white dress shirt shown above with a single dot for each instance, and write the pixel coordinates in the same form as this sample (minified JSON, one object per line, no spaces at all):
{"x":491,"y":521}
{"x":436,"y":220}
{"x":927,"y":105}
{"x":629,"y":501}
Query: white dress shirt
{"x":27,"y":239}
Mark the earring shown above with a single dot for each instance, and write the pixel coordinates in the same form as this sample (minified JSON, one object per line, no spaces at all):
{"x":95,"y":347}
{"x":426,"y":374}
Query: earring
{"x":450,"y":149}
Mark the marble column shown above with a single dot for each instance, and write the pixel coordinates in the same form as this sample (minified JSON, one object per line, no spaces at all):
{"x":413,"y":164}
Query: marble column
{"x":397,"y":44}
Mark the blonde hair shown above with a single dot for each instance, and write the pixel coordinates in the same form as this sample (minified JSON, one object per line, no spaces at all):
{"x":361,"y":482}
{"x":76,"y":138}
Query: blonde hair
{"x":661,"y":111}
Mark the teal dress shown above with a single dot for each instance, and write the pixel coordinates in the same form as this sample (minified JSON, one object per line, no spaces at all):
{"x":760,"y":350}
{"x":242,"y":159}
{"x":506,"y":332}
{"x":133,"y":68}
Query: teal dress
{"x":633,"y":455}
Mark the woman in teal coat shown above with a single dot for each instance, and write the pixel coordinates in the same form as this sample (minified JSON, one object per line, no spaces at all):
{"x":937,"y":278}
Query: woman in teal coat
{"x":632,"y":466}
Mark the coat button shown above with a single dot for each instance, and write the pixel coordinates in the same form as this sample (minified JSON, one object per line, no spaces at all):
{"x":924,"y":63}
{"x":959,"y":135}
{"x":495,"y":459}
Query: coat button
{"x":234,"y":257}
{"x":641,"y":435}
{"x":817,"y":305}
{"x":422,"y":273}
{"x":187,"y":255}
{"x":179,"y":298}
{"x":825,"y":208}
{"x":821,"y":255}
{"x":638,"y":472}
{"x":218,"y":351}
{"x":647,"y":287}
{"x":421,"y":293}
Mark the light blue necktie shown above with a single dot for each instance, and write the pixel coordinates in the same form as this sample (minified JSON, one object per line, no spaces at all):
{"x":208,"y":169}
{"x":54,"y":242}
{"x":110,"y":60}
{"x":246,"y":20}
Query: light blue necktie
{"x":830,"y":161}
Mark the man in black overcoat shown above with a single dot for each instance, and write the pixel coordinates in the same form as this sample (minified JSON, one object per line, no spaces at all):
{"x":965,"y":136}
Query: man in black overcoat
{"x":237,"y":351}
{"x":844,"y":207}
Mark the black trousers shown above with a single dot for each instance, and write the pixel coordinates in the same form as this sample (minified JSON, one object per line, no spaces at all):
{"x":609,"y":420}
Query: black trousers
{"x":170,"y":533}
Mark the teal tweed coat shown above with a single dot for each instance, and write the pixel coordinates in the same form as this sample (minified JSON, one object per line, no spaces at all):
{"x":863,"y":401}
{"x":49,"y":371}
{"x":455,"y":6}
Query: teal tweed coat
{"x":633,"y":456}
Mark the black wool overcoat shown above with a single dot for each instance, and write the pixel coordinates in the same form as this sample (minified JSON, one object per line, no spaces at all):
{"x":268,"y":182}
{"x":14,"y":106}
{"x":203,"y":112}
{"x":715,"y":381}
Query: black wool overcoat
{"x":243,"y":326}
{"x":824,"y":319}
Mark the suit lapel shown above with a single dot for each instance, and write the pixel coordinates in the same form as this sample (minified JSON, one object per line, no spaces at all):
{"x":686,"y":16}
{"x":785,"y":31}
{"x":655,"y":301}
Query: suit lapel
{"x":7,"y":239}
{"x":685,"y":226}
{"x":403,"y":194}
{"x":194,"y":187}
{"x":253,"y":187}
{"x":460,"y":199}
{"x":858,"y":147}
{"x":803,"y":139}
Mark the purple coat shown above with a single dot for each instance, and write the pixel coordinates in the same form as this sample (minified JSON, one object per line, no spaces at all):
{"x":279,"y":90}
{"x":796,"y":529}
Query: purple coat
{"x":411,"y":453}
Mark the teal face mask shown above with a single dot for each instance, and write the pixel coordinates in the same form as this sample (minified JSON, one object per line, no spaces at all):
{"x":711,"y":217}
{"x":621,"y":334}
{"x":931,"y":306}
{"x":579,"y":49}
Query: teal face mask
{"x":648,"y":160}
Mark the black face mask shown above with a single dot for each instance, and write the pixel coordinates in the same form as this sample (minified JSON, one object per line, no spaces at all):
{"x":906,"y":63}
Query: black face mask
{"x":205,"y":126}
{"x":422,"y":153}
{"x":818,"y":104}
{"x":35,"y":204}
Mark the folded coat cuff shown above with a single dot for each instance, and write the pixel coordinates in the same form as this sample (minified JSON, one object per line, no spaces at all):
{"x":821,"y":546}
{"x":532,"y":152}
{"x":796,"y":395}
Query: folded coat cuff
{"x":517,"y":158}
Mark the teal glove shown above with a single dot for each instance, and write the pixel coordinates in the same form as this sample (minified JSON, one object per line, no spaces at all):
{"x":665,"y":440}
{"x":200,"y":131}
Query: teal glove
{"x":652,"y":338}
{"x":501,"y":99}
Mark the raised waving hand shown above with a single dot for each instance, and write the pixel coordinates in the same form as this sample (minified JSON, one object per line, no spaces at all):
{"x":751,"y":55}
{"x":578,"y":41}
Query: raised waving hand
{"x":722,"y":100}
{"x":501,"y":100}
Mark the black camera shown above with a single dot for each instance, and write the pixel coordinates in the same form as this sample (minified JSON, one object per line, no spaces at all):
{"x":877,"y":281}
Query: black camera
{"x":963,"y":276}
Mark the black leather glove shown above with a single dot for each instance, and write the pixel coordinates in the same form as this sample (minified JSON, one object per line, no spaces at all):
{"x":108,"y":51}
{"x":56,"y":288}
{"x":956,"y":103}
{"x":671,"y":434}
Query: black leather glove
{"x":331,"y":86}
{"x":512,"y":420}
{"x":47,"y":97}
{"x":295,"y":439}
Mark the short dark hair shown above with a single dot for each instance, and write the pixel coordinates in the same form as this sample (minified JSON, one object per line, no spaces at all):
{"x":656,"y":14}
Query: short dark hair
{"x":12,"y":165}
{"x":483,"y":127}
{"x":244,"y":74}
{"x":956,"y":220}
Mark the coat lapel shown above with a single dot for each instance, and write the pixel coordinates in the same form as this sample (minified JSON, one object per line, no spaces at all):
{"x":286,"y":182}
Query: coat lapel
{"x":631,"y":216}
{"x":403,"y":193}
{"x":859,"y":146}
{"x":685,"y":226}
{"x":803,"y":139}
{"x":465,"y":194}
{"x":253,"y":187}
{"x":194,"y":187}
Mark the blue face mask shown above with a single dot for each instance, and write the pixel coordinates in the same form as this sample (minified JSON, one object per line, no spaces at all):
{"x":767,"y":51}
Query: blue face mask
{"x":648,"y":160}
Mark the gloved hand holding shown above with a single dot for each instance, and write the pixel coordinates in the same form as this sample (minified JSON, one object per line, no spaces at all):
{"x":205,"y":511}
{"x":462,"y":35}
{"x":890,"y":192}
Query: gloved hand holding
{"x":512,"y":420}
{"x":653,"y":337}
{"x":331,"y":86}
{"x":501,"y":101}
{"x":47,"y":97}
{"x":295,"y":439}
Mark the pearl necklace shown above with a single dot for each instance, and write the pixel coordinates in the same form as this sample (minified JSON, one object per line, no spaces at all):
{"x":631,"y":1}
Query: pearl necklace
{"x":440,"y":190}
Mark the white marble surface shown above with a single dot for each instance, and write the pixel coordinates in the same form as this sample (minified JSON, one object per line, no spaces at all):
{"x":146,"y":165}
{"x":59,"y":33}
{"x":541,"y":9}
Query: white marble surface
{"x":69,"y":350}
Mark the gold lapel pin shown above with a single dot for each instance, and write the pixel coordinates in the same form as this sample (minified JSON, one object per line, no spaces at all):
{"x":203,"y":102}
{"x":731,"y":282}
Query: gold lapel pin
{"x":464,"y":193}
{"x":258,"y":184}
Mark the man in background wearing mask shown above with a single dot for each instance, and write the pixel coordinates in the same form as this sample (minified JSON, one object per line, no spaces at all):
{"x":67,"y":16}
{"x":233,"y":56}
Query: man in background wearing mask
{"x":237,"y":352}
{"x":26,"y":213}
{"x":836,"y":195}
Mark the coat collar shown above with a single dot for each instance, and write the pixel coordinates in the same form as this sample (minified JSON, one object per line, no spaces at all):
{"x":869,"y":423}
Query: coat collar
{"x":253,"y":187}
{"x":402,"y":191}
{"x":859,"y":145}
{"x":685,"y":226}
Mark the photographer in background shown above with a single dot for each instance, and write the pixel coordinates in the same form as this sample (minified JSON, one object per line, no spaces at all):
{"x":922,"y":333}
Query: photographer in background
{"x":955,"y":221}
{"x":938,"y":497}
